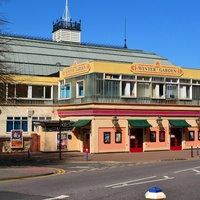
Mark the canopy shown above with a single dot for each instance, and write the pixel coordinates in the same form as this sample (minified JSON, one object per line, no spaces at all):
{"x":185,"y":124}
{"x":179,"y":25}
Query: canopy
{"x":139,"y":123}
{"x":80,"y":123}
{"x":179,"y":123}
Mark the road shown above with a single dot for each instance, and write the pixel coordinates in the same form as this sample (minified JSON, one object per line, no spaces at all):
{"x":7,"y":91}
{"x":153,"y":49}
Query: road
{"x":178,"y":180}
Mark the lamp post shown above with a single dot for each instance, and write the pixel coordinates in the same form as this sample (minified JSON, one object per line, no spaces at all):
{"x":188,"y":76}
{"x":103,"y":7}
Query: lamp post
{"x":115,"y":120}
{"x":198,"y":121}
{"x":159,"y":121}
{"x":60,"y":124}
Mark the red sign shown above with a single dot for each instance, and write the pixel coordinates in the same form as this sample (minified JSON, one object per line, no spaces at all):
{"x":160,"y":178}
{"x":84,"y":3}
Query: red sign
{"x":16,"y":139}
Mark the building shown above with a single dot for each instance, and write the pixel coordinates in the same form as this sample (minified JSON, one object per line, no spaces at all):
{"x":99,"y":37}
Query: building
{"x":96,"y":98}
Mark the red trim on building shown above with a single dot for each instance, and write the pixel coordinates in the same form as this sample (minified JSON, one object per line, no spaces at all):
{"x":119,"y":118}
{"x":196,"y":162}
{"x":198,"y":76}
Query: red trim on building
{"x":111,"y":112}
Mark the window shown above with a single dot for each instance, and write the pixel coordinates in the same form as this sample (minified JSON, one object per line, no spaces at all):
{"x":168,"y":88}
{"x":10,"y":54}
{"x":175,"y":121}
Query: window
{"x":111,"y":88}
{"x":195,"y":92}
{"x":128,"y":77}
{"x":152,"y":136}
{"x":112,"y":76}
{"x":17,"y":123}
{"x":36,"y":119}
{"x":171,"y":91}
{"x":143,"y":90}
{"x":118,"y":137}
{"x":185,"y":80}
{"x":37,"y":91}
{"x":191,"y":135}
{"x":65,"y":91}
{"x":80,"y":89}
{"x":107,"y":138}
{"x":184,"y":91}
{"x":48,"y":92}
{"x":143,"y":78}
{"x":11,"y":90}
{"x":128,"y":89}
{"x":21,"y":91}
{"x":157,"y":90}
{"x":172,"y":80}
{"x":161,"y":136}
{"x":3,"y":92}
{"x":158,"y":79}
{"x":198,"y":135}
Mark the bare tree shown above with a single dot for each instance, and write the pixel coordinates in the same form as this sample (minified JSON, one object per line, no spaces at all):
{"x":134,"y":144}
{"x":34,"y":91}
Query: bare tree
{"x":6,"y":71}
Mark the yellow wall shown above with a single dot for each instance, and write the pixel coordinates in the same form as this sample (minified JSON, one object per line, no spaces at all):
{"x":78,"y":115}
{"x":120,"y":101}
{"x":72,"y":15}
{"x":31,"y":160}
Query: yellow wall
{"x":122,"y":68}
{"x":36,"y":80}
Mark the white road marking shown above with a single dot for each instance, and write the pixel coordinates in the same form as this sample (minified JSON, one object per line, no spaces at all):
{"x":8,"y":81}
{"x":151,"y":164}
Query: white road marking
{"x":184,"y":170}
{"x":139,"y":181}
{"x":80,"y":167}
{"x":127,"y":182}
{"x":166,"y":176}
{"x":58,"y":197}
{"x":195,"y":170}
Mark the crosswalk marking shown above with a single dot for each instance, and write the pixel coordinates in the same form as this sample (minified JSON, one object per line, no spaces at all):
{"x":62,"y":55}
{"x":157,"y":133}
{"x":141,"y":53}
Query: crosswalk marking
{"x":58,"y":197}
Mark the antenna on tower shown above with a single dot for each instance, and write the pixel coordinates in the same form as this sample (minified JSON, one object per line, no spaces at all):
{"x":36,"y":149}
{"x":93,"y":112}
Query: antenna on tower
{"x":66,"y":16}
{"x":125,"y":46}
{"x":71,"y":31}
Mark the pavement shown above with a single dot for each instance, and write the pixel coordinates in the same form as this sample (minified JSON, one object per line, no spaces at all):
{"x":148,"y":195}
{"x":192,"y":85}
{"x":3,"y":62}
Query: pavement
{"x":24,"y":165}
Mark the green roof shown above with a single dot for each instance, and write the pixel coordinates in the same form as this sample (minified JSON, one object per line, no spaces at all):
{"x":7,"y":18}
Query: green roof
{"x":80,"y":123}
{"x":139,"y":123}
{"x":179,"y":123}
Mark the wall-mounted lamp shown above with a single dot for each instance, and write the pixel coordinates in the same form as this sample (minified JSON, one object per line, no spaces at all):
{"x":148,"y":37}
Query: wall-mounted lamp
{"x":30,"y":113}
{"x":198,"y":121}
{"x":159,"y":120}
{"x":115,"y":120}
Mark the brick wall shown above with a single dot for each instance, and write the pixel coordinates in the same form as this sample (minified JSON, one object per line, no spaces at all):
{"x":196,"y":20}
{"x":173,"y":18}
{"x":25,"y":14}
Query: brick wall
{"x":35,"y":143}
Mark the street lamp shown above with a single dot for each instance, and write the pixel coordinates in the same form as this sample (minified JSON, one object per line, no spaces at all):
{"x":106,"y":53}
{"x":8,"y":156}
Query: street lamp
{"x":115,"y":120}
{"x":159,"y":120}
{"x":198,"y":121}
{"x":60,"y":127}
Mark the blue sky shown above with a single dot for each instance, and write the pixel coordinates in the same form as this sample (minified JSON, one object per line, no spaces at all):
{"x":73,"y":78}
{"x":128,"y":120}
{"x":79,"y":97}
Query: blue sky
{"x":169,"y":28}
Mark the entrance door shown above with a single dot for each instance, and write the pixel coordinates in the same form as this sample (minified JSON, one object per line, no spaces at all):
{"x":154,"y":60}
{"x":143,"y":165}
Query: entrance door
{"x":86,"y":141}
{"x":176,"y":139}
{"x":136,"y":140}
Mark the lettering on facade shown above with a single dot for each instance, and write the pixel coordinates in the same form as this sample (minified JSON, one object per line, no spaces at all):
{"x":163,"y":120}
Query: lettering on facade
{"x":76,"y":69}
{"x":156,"y":69}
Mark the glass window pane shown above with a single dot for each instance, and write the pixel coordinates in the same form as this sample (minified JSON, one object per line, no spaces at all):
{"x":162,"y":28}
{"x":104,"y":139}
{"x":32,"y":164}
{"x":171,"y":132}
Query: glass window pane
{"x":62,"y":92}
{"x":80,"y":88}
{"x":11,"y":90}
{"x":48,"y":92}
{"x":67,"y":91}
{"x":22,"y":91}
{"x":128,"y":89}
{"x":25,"y":126}
{"x":17,"y":125}
{"x":37,"y":91}
{"x":143,"y":90}
{"x":9,"y":126}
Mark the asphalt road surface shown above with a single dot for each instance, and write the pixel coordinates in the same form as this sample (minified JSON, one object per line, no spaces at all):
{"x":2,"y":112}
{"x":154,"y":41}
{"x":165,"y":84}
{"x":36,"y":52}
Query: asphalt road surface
{"x":178,"y":180}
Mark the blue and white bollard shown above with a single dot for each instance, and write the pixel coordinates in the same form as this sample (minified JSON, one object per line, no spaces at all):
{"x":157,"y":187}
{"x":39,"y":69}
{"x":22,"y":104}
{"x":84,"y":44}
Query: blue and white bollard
{"x":155,"y":193}
{"x":86,"y":155}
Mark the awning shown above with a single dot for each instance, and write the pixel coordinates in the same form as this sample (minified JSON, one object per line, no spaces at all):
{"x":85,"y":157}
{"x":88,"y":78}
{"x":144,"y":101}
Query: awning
{"x":139,"y":123}
{"x":179,"y":123}
{"x":80,"y":123}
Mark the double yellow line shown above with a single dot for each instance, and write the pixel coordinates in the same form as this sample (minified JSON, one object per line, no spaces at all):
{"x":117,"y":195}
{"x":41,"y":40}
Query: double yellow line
{"x":58,"y":171}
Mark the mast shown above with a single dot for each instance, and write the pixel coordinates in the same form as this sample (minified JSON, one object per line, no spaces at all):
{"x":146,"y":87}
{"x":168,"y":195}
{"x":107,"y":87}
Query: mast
{"x":66,"y":15}
{"x":125,"y":46}
{"x":71,"y":30}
